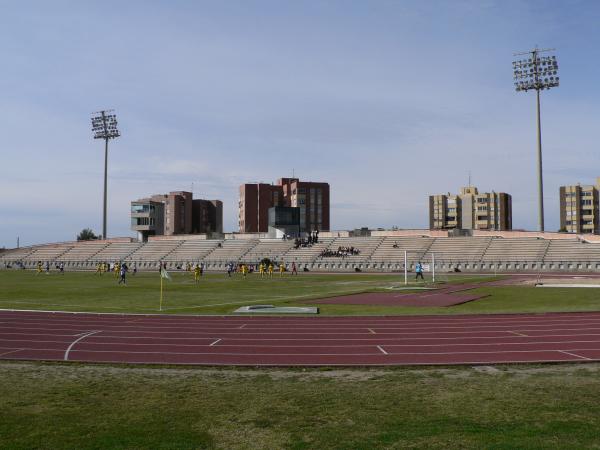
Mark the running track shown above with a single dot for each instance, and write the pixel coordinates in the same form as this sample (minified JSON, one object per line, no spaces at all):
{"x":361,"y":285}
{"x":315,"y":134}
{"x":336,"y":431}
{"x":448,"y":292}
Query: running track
{"x":290,"y":341}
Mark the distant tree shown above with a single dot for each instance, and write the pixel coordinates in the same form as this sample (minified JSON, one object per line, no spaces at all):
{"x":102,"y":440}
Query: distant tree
{"x":86,"y":235}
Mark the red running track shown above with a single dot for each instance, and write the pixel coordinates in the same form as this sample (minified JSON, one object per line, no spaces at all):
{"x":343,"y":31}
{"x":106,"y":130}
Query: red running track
{"x":307,"y":341}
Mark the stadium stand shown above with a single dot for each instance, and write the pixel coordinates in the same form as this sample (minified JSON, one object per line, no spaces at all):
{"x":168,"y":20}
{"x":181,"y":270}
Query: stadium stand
{"x":274,"y":249}
{"x":392,"y":248}
{"x":48,"y":252}
{"x":192,"y":251}
{"x":550,"y":251}
{"x":151,"y":253}
{"x":82,"y":252}
{"x":231,"y":250}
{"x":306,"y":255}
{"x":517,"y":249}
{"x":117,"y":251}
{"x":450,"y":249}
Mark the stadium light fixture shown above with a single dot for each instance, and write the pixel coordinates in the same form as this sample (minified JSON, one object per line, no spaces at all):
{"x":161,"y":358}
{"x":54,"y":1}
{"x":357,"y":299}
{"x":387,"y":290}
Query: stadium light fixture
{"x":536,"y":72}
{"x":104,"y":126}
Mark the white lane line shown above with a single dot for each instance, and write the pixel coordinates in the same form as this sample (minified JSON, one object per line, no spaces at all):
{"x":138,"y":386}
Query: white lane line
{"x":574,"y":354}
{"x":517,"y":333}
{"x":218,"y":340}
{"x":371,"y":331}
{"x":382,"y":350}
{"x":66,"y":358}
{"x":242,"y":326}
{"x":9,"y":352}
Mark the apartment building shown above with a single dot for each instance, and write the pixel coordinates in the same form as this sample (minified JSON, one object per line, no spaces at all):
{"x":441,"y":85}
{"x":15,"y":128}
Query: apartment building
{"x":579,"y":206}
{"x":312,"y":199}
{"x":175,"y":213}
{"x":471,"y":210}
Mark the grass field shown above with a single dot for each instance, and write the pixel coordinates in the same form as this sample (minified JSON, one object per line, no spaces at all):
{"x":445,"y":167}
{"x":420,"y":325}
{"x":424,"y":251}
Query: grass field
{"x":218,"y":294}
{"x":56,"y":406}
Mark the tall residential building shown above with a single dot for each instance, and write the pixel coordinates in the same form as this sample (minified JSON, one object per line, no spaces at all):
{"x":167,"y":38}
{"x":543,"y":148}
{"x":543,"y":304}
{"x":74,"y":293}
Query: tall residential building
{"x":579,"y":208}
{"x":175,"y":213}
{"x":256,"y":199}
{"x":471,"y":210}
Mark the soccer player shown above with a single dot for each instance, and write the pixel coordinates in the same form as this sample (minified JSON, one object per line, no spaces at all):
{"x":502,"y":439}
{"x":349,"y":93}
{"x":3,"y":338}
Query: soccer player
{"x":197,"y":273}
{"x":61,"y":268}
{"x":419,"y":271}
{"x":122,"y":272}
{"x":271,"y":270}
{"x":47,"y":268}
{"x":294,"y":269}
{"x":244,"y":270}
{"x":261,"y":269}
{"x":39,"y":267}
{"x":229,"y":269}
{"x":117,"y":269}
{"x":281,"y":269}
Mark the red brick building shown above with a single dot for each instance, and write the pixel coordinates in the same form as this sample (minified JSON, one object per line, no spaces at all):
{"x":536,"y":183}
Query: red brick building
{"x":311,"y":198}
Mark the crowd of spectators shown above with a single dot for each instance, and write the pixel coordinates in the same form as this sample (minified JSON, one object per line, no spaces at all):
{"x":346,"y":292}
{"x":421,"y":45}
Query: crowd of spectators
{"x":341,"y":252}
{"x":308,"y":241}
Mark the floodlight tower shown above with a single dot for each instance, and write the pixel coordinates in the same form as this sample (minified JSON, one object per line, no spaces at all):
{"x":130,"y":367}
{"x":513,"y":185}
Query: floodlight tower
{"x":104,"y":126}
{"x":539,"y":73}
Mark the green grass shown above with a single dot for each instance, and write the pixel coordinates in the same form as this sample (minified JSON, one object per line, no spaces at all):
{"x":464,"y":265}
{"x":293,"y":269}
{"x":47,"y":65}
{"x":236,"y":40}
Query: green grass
{"x":56,"y":406}
{"x":218,"y":294}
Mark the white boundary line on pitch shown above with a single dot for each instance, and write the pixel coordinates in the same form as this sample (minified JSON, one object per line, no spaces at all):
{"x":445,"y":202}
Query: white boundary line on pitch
{"x":76,"y":341}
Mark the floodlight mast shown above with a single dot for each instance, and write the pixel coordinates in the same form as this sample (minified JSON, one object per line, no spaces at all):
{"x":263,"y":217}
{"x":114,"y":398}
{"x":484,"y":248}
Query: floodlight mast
{"x":104,"y":126}
{"x":539,"y":73}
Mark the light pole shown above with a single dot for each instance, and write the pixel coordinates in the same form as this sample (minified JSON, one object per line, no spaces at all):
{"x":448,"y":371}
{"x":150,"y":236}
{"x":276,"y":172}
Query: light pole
{"x":104,"y":126}
{"x":539,"y":73}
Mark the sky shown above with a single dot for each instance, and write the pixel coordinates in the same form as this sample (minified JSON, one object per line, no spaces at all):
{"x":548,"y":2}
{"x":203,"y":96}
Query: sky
{"x":388,"y":101}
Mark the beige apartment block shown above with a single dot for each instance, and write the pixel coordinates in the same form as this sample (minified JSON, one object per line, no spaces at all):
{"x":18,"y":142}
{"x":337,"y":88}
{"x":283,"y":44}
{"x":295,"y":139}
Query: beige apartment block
{"x":579,"y":208}
{"x":471,"y":210}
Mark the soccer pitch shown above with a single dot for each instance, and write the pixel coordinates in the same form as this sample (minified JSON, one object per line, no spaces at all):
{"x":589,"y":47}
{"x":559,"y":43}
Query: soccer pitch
{"x":219,"y":294}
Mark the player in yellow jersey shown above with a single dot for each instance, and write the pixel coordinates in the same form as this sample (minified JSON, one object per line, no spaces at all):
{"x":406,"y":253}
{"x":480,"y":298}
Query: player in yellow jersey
{"x":117,"y":269}
{"x":261,"y":269}
{"x":197,"y":273}
{"x":271,"y":270}
{"x":281,"y":269}
{"x":244,"y":270}
{"x":39,"y":267}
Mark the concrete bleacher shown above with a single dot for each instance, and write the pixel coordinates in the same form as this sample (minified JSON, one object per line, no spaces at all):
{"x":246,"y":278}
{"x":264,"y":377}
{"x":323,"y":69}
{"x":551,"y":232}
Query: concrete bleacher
{"x":572,"y":250}
{"x":365,"y":245}
{"x":83,"y":251}
{"x":48,"y":252}
{"x":459,"y":248}
{"x":517,"y":249}
{"x":377,"y":253}
{"x":192,"y":251}
{"x":152,"y":252}
{"x":274,"y":249}
{"x":117,"y":251}
{"x":306,"y":255}
{"x":414,"y":246}
{"x":231,"y":250}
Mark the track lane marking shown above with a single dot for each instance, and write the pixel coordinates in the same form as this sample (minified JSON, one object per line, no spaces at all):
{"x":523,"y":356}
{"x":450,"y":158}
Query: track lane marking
{"x":371,"y":331}
{"x":242,"y":326}
{"x":382,"y":350}
{"x":517,"y":333}
{"x":66,"y":358}
{"x":9,"y":352}
{"x":215,"y":342}
{"x":575,"y":354}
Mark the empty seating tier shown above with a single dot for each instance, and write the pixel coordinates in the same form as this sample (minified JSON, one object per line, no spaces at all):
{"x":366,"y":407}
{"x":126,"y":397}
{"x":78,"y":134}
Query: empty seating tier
{"x":154,"y":251}
{"x":83,"y":251}
{"x":231,"y":250}
{"x":572,"y":250}
{"x":192,"y":251}
{"x":117,"y":251}
{"x":516,"y":249}
{"x":392,"y":248}
{"x":459,"y":248}
{"x":274,"y":249}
